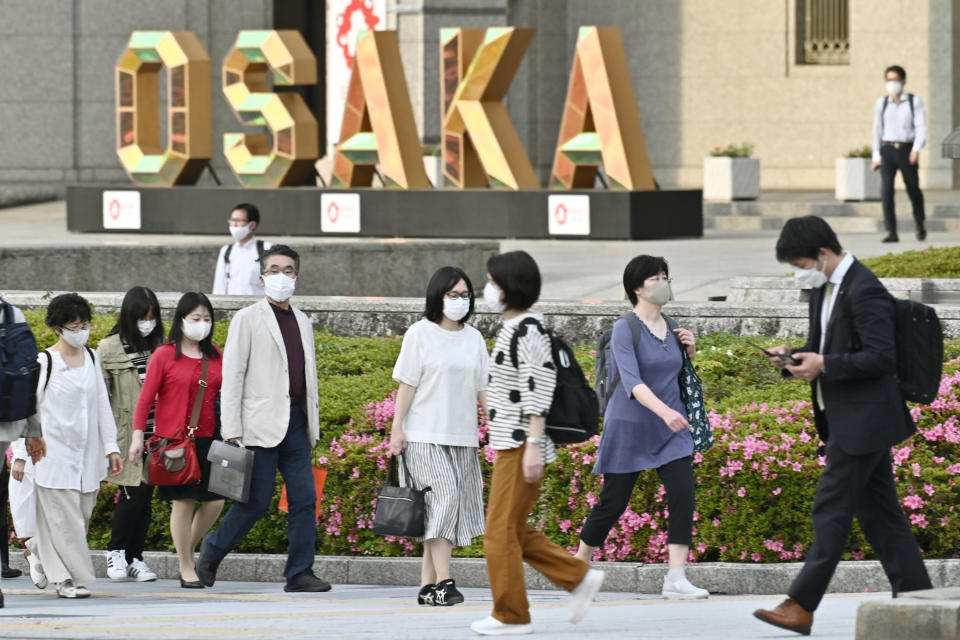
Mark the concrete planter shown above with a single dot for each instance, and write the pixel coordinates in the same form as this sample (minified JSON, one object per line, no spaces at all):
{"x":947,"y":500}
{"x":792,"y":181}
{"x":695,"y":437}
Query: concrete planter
{"x":855,"y":180}
{"x":434,"y":170}
{"x":731,"y":178}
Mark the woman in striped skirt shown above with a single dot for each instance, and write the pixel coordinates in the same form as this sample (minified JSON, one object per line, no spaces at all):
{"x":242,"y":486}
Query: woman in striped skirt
{"x":442,"y":372}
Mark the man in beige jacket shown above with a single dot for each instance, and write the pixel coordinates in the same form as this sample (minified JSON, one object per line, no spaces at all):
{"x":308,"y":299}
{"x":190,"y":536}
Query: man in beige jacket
{"x":269,"y":405}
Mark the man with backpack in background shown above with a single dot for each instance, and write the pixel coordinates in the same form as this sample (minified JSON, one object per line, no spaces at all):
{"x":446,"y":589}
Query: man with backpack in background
{"x":19,"y":374}
{"x":238,"y":265}
{"x":899,"y":133}
{"x":850,"y":358}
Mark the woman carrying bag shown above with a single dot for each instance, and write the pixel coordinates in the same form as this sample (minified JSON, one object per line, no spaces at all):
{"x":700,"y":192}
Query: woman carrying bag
{"x":442,"y":372}
{"x":646,"y":425}
{"x":176,"y":383}
{"x":124,"y":355}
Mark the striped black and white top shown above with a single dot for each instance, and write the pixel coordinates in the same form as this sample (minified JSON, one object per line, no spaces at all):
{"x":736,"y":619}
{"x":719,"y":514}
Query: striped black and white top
{"x":139,"y":360}
{"x":516,"y":393}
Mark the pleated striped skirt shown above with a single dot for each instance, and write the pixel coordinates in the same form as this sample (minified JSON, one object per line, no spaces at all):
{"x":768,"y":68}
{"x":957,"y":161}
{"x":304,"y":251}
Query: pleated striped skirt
{"x":455,"y":500}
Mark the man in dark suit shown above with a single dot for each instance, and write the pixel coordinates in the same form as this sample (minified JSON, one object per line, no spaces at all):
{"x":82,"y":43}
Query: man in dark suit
{"x":860,"y":413}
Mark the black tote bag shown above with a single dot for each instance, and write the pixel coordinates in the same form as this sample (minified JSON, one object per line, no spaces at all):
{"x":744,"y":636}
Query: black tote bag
{"x":400,"y":511}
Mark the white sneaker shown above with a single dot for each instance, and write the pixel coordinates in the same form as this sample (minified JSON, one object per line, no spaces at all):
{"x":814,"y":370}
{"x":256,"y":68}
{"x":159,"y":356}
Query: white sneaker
{"x":582,"y":597}
{"x":37,"y":575}
{"x":117,"y":565}
{"x":66,"y":589}
{"x":681,"y":589}
{"x":490,"y":626}
{"x":139,"y":571}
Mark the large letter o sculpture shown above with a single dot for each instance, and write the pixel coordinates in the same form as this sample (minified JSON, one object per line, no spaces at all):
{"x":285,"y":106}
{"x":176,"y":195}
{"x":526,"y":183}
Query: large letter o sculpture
{"x":296,"y":143}
{"x":139,"y":147}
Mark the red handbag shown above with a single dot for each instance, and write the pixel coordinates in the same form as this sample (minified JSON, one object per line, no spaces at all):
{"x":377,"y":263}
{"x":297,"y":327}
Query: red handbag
{"x":173,"y":460}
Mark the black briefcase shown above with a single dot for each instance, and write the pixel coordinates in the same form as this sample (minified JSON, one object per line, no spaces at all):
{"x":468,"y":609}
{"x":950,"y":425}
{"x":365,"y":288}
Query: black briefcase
{"x":400,"y":511}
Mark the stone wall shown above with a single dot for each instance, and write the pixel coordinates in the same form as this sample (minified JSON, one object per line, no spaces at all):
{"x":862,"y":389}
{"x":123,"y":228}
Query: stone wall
{"x":328,"y":268}
{"x":577,"y":322}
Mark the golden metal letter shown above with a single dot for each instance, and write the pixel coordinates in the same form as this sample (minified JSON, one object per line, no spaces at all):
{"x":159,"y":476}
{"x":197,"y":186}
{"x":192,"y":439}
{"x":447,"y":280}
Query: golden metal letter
{"x":378,"y":125}
{"x":601,"y":123}
{"x":296,"y":143}
{"x":187,"y":152}
{"x":480,"y":145}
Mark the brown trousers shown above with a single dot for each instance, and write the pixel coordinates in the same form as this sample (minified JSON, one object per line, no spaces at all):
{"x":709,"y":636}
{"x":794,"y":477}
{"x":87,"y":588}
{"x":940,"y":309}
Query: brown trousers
{"x":509,"y":540}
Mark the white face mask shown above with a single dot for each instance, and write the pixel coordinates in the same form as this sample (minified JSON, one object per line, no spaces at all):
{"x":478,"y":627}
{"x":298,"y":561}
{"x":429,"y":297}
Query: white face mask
{"x":75,"y":339}
{"x":659,"y":293}
{"x":491,"y":296}
{"x":894,"y":87}
{"x":279,"y":286}
{"x":240,"y":233}
{"x":812,"y":277}
{"x":146,"y":327}
{"x":456,"y":309}
{"x":196,"y":331}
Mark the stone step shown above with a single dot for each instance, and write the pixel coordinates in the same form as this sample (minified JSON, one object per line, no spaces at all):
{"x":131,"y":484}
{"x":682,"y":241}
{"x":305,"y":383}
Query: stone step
{"x":928,"y":615}
{"x":824,"y":209}
{"x":841,"y":224}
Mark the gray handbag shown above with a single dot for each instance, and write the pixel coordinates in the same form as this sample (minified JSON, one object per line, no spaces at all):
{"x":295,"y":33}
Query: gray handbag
{"x":231,"y":469}
{"x":400,"y":511}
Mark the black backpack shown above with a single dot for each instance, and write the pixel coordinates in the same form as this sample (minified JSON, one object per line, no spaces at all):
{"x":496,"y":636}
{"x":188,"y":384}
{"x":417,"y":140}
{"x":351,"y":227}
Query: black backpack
{"x":226,"y":257}
{"x":574,"y":413}
{"x":19,"y":369}
{"x":603,"y":385}
{"x":919,"y":338}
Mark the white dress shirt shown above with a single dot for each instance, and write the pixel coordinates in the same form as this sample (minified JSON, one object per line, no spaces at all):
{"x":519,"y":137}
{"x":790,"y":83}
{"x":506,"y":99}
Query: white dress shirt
{"x":895,"y":123}
{"x":78,"y":425}
{"x":242,"y":276}
{"x":826,"y":310}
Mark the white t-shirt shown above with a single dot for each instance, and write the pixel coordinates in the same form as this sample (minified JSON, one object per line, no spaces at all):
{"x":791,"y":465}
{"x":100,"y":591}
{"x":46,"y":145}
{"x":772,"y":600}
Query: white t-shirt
{"x":242,"y":276}
{"x":449,"y":369}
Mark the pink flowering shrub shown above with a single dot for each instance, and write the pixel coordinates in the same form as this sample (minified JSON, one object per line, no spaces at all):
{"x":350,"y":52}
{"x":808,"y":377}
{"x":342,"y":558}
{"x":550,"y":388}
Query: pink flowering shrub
{"x":755,"y":487}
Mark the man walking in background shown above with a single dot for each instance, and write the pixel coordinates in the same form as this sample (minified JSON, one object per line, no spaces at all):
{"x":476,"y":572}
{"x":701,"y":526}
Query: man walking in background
{"x":899,"y":132}
{"x":238,"y":265}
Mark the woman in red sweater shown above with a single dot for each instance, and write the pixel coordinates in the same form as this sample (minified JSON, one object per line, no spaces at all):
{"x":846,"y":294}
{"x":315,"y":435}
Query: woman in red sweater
{"x":173,"y":377}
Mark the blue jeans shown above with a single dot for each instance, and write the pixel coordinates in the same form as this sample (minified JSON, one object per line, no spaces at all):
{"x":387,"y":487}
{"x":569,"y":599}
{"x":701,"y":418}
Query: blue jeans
{"x":294,"y":459}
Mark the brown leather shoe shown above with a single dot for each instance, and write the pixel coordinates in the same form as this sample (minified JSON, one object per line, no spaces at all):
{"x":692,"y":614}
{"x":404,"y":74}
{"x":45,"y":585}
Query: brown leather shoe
{"x":788,"y":615}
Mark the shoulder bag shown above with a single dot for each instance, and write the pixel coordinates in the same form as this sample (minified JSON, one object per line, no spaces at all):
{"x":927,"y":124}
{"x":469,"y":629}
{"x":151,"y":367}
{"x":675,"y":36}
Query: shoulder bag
{"x":691,"y":394}
{"x":173,"y":461}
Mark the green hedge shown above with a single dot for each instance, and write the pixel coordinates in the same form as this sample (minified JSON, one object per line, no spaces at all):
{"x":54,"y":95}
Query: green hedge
{"x":756,"y":415}
{"x":924,"y":263}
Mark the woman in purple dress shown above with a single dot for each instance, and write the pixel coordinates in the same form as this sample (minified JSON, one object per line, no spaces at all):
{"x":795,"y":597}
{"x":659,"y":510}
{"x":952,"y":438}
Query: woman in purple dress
{"x":645,"y":425}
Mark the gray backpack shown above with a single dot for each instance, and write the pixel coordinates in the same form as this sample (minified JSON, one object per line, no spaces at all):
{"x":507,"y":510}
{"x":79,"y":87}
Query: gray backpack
{"x":605,"y":381}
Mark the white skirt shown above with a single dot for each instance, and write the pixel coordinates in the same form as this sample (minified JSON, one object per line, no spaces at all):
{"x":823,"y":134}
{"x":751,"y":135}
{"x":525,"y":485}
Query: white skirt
{"x":23,"y":503}
{"x":455,"y":500}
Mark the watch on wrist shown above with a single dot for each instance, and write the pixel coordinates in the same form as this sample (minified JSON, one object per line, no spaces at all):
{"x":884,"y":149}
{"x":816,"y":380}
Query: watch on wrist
{"x":534,"y":439}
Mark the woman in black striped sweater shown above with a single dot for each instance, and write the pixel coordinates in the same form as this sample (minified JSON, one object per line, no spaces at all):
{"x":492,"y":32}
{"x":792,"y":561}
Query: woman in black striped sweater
{"x":519,"y":396}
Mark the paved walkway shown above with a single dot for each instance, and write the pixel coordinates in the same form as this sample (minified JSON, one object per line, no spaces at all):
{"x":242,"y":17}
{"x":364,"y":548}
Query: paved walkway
{"x":261,"y":610}
{"x":572,"y":269}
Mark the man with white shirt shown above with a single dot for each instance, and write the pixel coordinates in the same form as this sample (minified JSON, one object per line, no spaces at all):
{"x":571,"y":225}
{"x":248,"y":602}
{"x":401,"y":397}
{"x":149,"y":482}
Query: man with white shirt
{"x":238,"y":265}
{"x":899,"y":133}
{"x":269,"y":405}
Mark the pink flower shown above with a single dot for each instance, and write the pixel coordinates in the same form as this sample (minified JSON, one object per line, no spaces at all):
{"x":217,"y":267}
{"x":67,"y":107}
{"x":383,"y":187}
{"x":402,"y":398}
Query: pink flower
{"x":928,"y":489}
{"x":741,"y":492}
{"x":565,"y":526}
{"x":776,"y":491}
{"x":913,"y":502}
{"x":756,"y":557}
{"x":916,"y":469}
{"x":918,"y":519}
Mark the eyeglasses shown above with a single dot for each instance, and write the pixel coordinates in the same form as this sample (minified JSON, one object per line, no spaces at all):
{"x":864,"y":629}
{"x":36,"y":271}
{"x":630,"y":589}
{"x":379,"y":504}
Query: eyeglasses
{"x":289,"y":271}
{"x":77,"y":327}
{"x":660,"y":279}
{"x":453,"y":295}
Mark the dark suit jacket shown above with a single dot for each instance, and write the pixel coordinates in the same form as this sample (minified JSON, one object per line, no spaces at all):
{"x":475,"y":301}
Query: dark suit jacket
{"x":866,"y":410}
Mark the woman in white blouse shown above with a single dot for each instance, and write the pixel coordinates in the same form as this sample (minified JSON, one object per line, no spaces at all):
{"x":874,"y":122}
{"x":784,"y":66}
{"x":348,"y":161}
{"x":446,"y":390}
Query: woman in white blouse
{"x":81,"y":439}
{"x":442,"y":371}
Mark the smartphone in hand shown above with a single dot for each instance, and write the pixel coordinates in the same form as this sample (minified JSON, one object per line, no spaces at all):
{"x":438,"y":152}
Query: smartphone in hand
{"x":784,"y":357}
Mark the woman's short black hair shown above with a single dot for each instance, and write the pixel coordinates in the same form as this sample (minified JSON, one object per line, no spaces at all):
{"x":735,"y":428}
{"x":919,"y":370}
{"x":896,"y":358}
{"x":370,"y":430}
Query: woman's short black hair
{"x":280,"y":250}
{"x":897,"y":69}
{"x":253,"y":214}
{"x":804,"y":237}
{"x":136,"y":304}
{"x":444,"y":280}
{"x":638,"y":270}
{"x":67,"y":308}
{"x":517,"y":275}
{"x":188,"y":302}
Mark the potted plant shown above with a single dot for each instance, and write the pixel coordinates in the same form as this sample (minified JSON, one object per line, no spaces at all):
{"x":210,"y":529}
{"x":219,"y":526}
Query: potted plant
{"x":433,"y":166}
{"x":855,"y":179}
{"x":731,"y":174}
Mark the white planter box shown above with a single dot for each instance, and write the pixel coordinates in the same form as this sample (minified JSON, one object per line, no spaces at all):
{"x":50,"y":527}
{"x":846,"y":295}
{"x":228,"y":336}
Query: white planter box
{"x":855,"y":180}
{"x":731,"y":178}
{"x":434,"y":170}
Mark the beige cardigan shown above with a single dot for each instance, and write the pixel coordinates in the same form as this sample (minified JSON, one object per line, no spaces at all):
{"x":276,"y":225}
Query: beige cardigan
{"x":255,"y":396}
